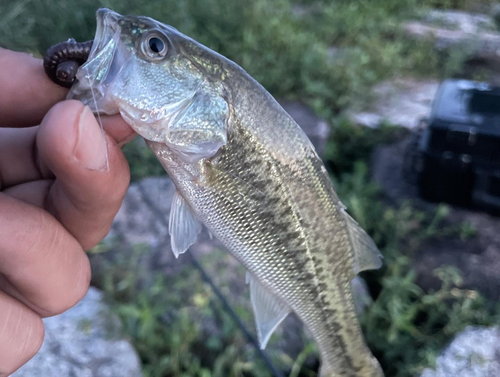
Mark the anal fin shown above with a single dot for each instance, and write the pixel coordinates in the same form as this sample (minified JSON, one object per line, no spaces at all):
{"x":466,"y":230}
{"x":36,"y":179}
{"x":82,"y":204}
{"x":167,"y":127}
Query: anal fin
{"x":183,"y":226}
{"x":360,"y":295}
{"x":268,"y":309}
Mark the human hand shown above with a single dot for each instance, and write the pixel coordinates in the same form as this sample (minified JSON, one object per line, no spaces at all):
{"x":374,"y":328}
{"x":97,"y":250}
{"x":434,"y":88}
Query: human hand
{"x":57,"y":199}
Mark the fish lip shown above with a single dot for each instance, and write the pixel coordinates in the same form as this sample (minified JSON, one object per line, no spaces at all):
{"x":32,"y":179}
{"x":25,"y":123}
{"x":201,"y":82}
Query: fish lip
{"x":107,"y":31}
{"x":97,"y":73}
{"x":107,"y":24}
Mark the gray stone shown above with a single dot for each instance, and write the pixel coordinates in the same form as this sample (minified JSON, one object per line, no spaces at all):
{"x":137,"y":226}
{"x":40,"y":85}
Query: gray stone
{"x":403,"y":102}
{"x":136,"y":222}
{"x":475,"y":352}
{"x":85,"y":341}
{"x":472,"y":23}
{"x":474,"y":33}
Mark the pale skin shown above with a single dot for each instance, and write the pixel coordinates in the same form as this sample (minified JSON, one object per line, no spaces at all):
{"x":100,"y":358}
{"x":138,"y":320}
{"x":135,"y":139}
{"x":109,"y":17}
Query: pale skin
{"x":58,"y":197}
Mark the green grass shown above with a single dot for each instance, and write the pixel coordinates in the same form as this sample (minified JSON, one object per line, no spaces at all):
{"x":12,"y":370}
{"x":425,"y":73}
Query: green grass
{"x":289,"y":50}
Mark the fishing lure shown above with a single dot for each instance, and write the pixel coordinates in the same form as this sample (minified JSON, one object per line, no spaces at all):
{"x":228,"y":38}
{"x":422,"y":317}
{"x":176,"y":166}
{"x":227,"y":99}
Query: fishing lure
{"x":61,"y":61}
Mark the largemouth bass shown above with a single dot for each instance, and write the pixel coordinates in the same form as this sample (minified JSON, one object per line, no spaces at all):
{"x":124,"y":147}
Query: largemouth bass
{"x":244,"y":169}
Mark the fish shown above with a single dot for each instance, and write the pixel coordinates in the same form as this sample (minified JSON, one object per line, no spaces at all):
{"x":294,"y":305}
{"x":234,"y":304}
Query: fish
{"x":245,"y":170}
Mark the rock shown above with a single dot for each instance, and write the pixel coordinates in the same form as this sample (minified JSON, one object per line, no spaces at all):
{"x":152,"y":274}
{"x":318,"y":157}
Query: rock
{"x":85,"y":341}
{"x":403,"y":101}
{"x":475,"y":352}
{"x":136,"y":223}
{"x":472,"y":23}
{"x":316,"y":129}
{"x":475,"y":33}
{"x":478,"y":257}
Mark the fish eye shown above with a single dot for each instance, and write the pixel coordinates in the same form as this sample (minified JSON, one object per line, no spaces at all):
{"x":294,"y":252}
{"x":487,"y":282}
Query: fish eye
{"x":154,"y":45}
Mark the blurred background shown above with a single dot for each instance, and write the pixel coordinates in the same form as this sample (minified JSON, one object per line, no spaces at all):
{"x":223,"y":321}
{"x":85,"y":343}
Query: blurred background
{"x":360,"y":77}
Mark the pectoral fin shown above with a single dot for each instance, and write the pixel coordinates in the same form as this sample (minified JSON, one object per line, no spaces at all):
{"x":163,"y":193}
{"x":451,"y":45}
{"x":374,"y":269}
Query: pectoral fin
{"x":183,"y":226}
{"x":268,"y":309}
{"x":366,"y":254}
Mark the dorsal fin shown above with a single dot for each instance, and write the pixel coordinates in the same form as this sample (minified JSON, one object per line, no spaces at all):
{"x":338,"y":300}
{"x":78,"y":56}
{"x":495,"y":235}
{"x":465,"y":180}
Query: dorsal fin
{"x":268,"y":309}
{"x":366,"y":254}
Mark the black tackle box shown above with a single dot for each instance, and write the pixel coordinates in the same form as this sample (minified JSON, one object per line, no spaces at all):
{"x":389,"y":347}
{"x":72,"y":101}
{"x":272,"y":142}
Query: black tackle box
{"x":455,"y":154}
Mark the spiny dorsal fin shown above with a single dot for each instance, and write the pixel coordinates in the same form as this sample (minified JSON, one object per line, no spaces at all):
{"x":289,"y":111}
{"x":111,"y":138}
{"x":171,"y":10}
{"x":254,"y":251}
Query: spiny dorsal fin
{"x":268,"y":309}
{"x":366,"y":254}
{"x":183,"y":226}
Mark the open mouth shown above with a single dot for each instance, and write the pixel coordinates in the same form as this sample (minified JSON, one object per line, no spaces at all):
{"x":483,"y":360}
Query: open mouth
{"x":105,"y":61}
{"x":107,"y":24}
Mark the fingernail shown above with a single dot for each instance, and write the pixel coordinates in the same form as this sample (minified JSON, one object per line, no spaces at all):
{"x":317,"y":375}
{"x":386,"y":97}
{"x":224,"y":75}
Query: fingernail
{"x":91,"y":149}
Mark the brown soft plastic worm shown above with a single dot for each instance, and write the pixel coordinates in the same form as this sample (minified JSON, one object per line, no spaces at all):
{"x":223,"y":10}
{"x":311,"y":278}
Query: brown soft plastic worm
{"x":62,"y":60}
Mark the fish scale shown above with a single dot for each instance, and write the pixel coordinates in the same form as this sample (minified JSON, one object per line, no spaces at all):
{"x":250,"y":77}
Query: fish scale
{"x":332,"y":263}
{"x":245,"y":169}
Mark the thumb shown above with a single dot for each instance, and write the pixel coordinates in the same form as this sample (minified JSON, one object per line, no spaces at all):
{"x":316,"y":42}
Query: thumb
{"x":92,"y":174}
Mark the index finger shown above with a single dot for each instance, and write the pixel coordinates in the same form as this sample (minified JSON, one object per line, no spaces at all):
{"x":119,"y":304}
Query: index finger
{"x":26,"y":93}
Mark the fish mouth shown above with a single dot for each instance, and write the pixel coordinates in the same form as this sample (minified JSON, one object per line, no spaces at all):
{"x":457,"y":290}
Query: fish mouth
{"x":107,"y":25}
{"x":106,"y":59}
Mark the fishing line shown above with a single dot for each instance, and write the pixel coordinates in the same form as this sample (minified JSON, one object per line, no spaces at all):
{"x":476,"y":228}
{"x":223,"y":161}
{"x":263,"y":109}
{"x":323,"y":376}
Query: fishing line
{"x":100,"y":124}
{"x":275,"y":372}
